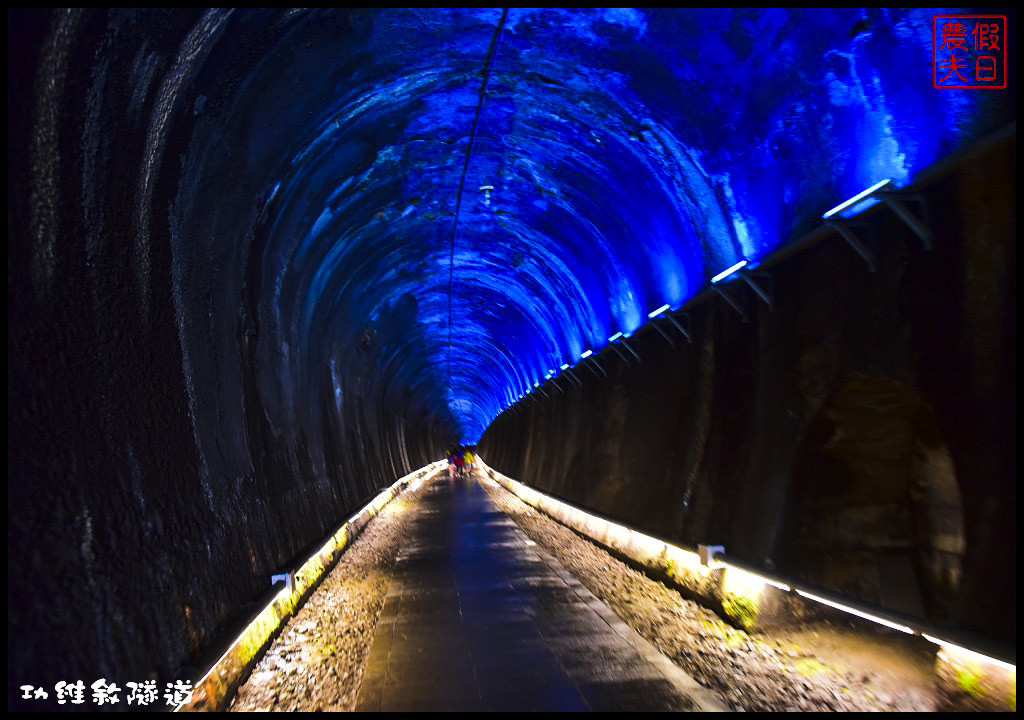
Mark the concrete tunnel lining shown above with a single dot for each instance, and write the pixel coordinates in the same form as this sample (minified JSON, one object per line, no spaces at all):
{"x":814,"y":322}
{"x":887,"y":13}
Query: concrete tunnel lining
{"x":232,"y":239}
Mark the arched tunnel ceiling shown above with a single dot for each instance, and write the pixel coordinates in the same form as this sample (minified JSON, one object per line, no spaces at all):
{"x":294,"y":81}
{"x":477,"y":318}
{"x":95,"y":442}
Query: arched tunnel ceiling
{"x":633,"y":154}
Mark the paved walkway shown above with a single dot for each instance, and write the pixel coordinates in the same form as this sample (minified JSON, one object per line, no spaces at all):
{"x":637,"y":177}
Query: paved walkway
{"x":480,"y":618}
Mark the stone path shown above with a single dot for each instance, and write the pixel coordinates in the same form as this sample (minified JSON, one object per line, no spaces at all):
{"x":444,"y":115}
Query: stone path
{"x":478,"y":617}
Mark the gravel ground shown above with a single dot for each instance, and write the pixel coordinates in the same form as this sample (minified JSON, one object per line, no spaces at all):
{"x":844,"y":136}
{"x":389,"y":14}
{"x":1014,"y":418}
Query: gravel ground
{"x":821,"y":668}
{"x":317,"y":662}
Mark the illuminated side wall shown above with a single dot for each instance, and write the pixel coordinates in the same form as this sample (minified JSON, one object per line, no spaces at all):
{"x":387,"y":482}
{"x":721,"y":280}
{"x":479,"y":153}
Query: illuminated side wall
{"x":860,"y":435}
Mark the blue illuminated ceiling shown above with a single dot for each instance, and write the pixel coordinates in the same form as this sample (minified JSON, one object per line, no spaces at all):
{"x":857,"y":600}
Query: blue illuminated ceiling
{"x":633,"y":154}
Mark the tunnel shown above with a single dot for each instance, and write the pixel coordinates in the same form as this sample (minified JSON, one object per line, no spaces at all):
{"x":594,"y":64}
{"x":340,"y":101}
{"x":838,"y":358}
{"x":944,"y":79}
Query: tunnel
{"x":263,"y":262}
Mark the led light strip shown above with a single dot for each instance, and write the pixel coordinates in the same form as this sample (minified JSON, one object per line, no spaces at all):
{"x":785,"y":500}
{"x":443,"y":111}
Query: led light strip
{"x":766,"y":580}
{"x":946,"y":645}
{"x":538,"y":499}
{"x":588,"y":523}
{"x":858,"y":613}
{"x":658,"y":312}
{"x":729,"y":271}
{"x":271,"y":616}
{"x":855,"y":199}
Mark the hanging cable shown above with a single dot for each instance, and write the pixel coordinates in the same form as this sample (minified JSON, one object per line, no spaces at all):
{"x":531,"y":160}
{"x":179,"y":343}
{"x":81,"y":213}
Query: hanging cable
{"x":491,"y":53}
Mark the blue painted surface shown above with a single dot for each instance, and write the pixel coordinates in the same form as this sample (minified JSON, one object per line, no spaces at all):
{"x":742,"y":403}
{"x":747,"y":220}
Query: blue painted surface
{"x":633,"y":154}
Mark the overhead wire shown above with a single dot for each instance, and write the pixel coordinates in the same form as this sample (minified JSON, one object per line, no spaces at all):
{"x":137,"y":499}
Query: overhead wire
{"x":491,"y":54}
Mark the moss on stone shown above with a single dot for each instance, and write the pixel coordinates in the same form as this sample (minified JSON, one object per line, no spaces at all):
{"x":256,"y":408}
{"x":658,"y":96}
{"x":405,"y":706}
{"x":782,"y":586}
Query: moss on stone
{"x":970,"y":682}
{"x":743,"y":610}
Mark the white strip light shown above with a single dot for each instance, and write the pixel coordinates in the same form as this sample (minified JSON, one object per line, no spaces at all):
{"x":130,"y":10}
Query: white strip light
{"x":614,"y":337}
{"x":587,"y":354}
{"x":657,"y":312}
{"x":566,"y":366}
{"x":538,"y":499}
{"x":762,"y":578}
{"x":729,"y":271}
{"x":974,"y":655}
{"x":855,"y":199}
{"x":858,"y":613}
{"x":270,"y":615}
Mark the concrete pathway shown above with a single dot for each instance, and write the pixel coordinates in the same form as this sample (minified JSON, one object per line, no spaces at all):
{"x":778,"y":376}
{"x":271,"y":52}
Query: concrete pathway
{"x":480,"y":618}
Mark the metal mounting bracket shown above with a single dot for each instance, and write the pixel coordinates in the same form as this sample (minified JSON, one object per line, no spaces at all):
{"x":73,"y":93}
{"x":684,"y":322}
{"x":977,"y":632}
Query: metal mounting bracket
{"x":631,"y":350}
{"x":680,"y":328}
{"x":591,"y":369}
{"x":729,"y":299}
{"x":895,"y":200}
{"x":287,"y":577}
{"x":668,"y":338}
{"x":846,"y":232}
{"x":763,"y":285}
{"x":621,"y":355}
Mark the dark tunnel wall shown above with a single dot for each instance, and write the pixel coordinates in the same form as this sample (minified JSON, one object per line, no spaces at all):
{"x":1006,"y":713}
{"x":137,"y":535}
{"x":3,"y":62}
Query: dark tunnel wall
{"x":245,"y":289}
{"x":163,"y":459}
{"x":890,"y":376}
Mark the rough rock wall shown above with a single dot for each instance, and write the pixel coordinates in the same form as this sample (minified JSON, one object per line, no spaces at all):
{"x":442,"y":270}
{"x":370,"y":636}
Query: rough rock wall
{"x":859,"y":435}
{"x":157,"y":473}
{"x":178,"y":431}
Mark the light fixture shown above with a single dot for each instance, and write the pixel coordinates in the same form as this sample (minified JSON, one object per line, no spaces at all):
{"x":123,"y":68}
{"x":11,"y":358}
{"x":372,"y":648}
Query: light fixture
{"x":614,"y":337}
{"x":946,"y":645}
{"x":729,"y":271}
{"x":256,"y":636}
{"x":856,"y":199}
{"x":657,"y":312}
{"x":586,"y":354}
{"x":698,"y":564}
{"x":287,"y":577}
{"x":858,"y":613}
{"x":760,"y":578}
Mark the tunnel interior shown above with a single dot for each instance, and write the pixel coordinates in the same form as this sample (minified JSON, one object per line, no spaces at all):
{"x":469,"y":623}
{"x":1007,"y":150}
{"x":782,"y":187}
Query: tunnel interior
{"x":264,"y":261}
{"x":878,"y":514}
